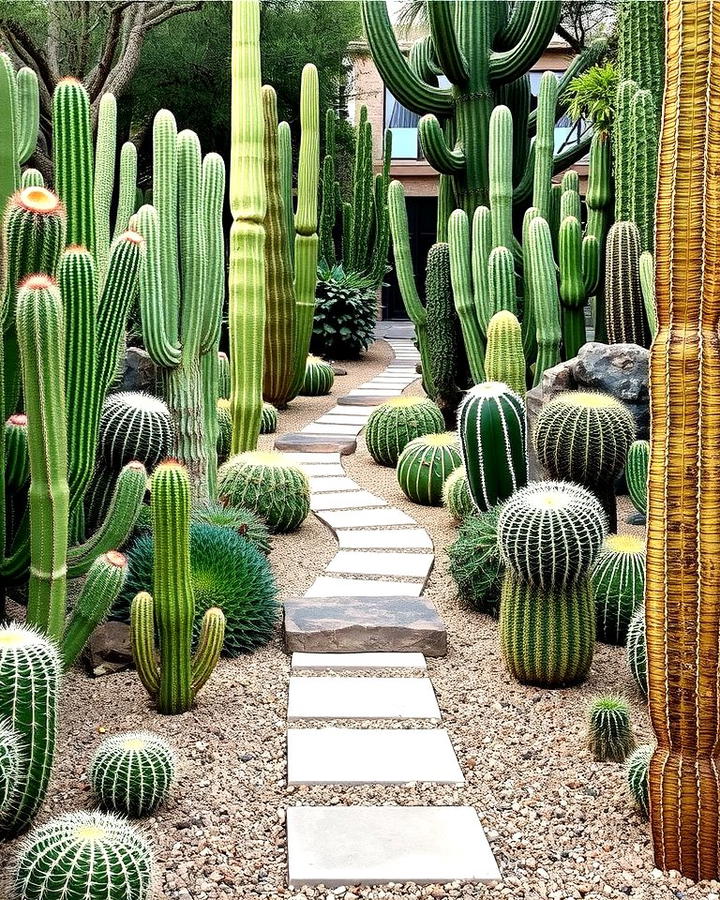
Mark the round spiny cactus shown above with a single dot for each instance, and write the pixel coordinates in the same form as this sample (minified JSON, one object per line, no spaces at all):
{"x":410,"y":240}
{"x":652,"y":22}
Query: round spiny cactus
{"x":134,"y":426}
{"x":424,"y":465}
{"x":475,"y":562}
{"x":618,"y":581}
{"x":319,"y":377}
{"x":10,"y":755}
{"x":132,"y":773}
{"x":546,"y":636}
{"x":636,"y":473}
{"x":585,"y":437}
{"x":456,"y":495}
{"x":638,"y":766}
{"x":610,"y":736}
{"x":83,"y":856}
{"x":268,"y":419}
{"x":551,"y":532}
{"x":236,"y":518}
{"x":637,"y":651}
{"x":224,"y":437}
{"x":267,"y":484}
{"x":392,"y":425}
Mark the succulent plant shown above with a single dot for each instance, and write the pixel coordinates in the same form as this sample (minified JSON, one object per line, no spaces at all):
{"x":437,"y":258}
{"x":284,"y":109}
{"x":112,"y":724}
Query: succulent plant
{"x":424,"y":465}
{"x":444,"y":338}
{"x":319,"y":377}
{"x":625,"y":317}
{"x":267,"y":484}
{"x":392,"y":425}
{"x":636,"y":473}
{"x":456,"y":495}
{"x":637,"y":651}
{"x":585,"y":437}
{"x":131,"y":774}
{"x":345,"y":314}
{"x":17,"y":461}
{"x":637,"y":771}
{"x":618,"y":581}
{"x":246,"y":523}
{"x":88,"y":855}
{"x":476,"y":564}
{"x":135,"y":426}
{"x":551,"y":532}
{"x":10,"y":760}
{"x":610,"y":735}
{"x":268,"y":419}
{"x":504,"y":357}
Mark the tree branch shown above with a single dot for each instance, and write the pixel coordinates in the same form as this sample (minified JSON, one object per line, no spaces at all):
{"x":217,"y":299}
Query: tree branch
{"x":100,"y":72}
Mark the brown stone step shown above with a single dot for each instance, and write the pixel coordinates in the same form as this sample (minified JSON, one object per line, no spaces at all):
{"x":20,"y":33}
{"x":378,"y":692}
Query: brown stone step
{"x":297,"y":442}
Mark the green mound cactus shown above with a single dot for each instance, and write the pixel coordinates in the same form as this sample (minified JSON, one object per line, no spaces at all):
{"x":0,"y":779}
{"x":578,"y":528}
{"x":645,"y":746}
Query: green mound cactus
{"x":226,"y":572}
{"x":30,"y":671}
{"x":135,"y":426}
{"x":636,"y":473}
{"x":319,"y":377}
{"x":456,"y":495}
{"x":492,"y":426}
{"x":637,"y":651}
{"x":88,"y":855}
{"x":476,"y":563}
{"x":269,"y":418}
{"x":625,"y":317}
{"x":267,"y":484}
{"x":504,"y":357}
{"x":180,"y":675}
{"x":392,"y":425}
{"x":585,"y":437}
{"x":236,"y":518}
{"x":131,"y":774}
{"x":618,"y":581}
{"x":610,"y":735}
{"x":10,"y":760}
{"x":424,"y":465}
{"x":637,"y":770}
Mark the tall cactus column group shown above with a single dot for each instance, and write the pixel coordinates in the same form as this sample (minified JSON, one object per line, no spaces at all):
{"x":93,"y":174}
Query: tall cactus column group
{"x":683,"y":547}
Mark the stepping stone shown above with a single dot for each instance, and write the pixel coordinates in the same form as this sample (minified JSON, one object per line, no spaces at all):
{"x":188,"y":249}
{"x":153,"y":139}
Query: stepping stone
{"x":328,"y":697}
{"x":405,"y":565}
{"x":320,"y":428}
{"x":320,"y":485}
{"x":355,"y":399}
{"x":371,"y":756}
{"x":374,"y":387}
{"x":359,"y":411}
{"x":362,"y":587}
{"x":365,"y":625}
{"x":324,"y":459}
{"x":332,"y":662}
{"x":342,"y":420}
{"x":345,"y":845}
{"x":397,"y":539}
{"x":320,"y":443}
{"x":346,"y":500}
{"x":322,"y":471}
{"x":365,"y":518}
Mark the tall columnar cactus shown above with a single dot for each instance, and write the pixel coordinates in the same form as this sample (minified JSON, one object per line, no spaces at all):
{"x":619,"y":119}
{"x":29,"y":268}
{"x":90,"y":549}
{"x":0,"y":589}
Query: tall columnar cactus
{"x":625,"y":317}
{"x":636,"y":473}
{"x":683,"y":548}
{"x":579,"y":261}
{"x":504,"y":357}
{"x":445,"y":349}
{"x":29,"y":684}
{"x":492,"y":429}
{"x":181,"y":289}
{"x":180,"y":675}
{"x":20,"y":113}
{"x":544,"y":296}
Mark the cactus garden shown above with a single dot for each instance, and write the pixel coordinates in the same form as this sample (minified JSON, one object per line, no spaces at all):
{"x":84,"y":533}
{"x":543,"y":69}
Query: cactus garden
{"x":358,"y":528}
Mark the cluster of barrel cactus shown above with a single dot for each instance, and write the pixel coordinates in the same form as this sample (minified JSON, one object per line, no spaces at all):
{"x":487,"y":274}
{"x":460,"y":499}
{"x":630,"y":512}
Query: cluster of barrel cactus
{"x":392,"y":425}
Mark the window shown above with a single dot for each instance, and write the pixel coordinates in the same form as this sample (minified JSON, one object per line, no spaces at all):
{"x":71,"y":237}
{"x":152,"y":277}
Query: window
{"x":403,"y":125}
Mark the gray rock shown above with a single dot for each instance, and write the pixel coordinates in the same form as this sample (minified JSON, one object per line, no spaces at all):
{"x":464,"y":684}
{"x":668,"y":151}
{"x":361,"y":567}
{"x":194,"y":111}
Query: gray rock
{"x":339,"y":370}
{"x":617,"y":369}
{"x":109,"y":649}
{"x":139,"y":372}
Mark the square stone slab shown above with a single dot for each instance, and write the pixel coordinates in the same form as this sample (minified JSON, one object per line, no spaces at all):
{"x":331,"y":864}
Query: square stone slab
{"x":317,"y":459}
{"x":346,"y":500}
{"x":331,"y":662}
{"x":365,"y":518}
{"x":322,"y":471}
{"x":364,"y":625}
{"x":328,"y":697}
{"x":406,"y":565}
{"x":324,"y":485}
{"x":370,"y":391}
{"x":374,"y":387}
{"x":365,"y":399}
{"x":346,"y":410}
{"x":325,"y":586}
{"x":371,"y":756}
{"x":320,"y":443}
{"x":342,"y":420}
{"x":320,"y":428}
{"x":395,"y":539}
{"x":347,"y":845}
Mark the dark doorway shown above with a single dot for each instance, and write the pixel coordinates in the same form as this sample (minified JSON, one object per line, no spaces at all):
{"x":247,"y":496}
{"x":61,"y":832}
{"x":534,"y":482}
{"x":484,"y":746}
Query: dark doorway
{"x":422,"y":214}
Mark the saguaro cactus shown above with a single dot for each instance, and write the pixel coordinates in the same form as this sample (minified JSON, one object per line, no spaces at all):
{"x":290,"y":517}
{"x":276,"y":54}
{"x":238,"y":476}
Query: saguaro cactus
{"x":683,"y":546}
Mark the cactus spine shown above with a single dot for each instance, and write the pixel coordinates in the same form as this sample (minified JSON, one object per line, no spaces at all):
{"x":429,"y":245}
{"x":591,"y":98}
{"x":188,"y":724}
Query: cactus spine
{"x":173,"y":684}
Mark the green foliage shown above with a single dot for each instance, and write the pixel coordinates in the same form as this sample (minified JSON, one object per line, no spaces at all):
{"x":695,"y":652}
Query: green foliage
{"x":236,"y":518}
{"x":475,"y":561}
{"x":638,"y":766}
{"x":392,"y":425}
{"x":610,"y":735}
{"x":425,"y":463}
{"x":345,"y":314}
{"x":591,"y":96}
{"x":131,"y":774}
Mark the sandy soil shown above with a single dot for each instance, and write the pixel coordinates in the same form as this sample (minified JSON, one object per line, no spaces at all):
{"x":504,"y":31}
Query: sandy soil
{"x":561,"y":825}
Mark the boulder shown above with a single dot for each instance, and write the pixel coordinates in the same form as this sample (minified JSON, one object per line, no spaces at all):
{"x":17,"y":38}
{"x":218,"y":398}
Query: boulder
{"x":617,"y":369}
{"x":109,"y":649}
{"x":139,"y":372}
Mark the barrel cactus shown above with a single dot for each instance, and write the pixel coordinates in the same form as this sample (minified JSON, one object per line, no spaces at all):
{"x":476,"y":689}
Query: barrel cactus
{"x":319,"y":377}
{"x":585,"y":437}
{"x":83,"y":856}
{"x":267,"y":484}
{"x":618,"y":581}
{"x":424,"y":465}
{"x":638,"y":766}
{"x":246,"y":523}
{"x":392,"y":425}
{"x":456,"y":495}
{"x":637,"y":651}
{"x":610,"y":735}
{"x":10,"y":758}
{"x":135,"y":425}
{"x":268,"y":419}
{"x":636,"y":473}
{"x":492,"y":429}
{"x":131,"y":774}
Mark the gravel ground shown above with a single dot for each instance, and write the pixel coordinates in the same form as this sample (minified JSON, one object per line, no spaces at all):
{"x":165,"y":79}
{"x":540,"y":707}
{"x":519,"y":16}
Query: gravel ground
{"x":561,"y":825}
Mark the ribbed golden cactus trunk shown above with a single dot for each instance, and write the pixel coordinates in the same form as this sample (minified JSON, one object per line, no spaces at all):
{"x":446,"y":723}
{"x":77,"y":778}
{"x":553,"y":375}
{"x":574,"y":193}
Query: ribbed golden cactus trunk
{"x":683,"y":551}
